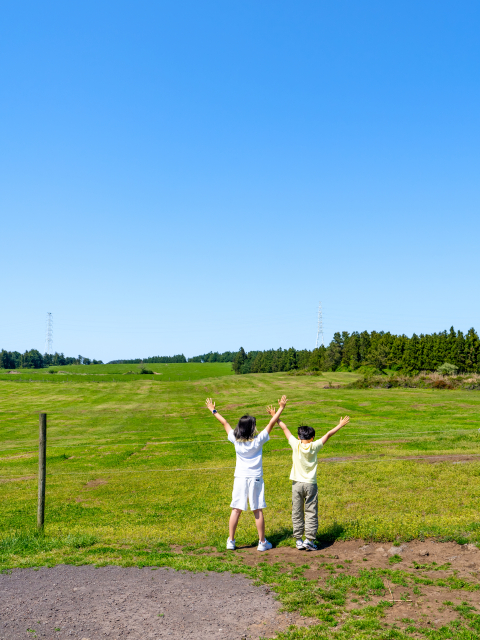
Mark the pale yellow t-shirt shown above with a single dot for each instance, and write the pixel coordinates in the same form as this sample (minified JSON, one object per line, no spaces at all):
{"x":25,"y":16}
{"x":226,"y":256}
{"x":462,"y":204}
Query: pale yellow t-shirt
{"x":304,"y":457}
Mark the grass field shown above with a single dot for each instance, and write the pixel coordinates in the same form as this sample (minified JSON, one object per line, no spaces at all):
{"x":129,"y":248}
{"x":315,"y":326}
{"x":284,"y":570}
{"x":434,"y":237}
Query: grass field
{"x":135,"y":467}
{"x":119,"y":372}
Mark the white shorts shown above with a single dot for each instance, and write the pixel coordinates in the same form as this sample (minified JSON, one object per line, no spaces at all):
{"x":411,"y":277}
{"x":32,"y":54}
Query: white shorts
{"x":252,"y":489}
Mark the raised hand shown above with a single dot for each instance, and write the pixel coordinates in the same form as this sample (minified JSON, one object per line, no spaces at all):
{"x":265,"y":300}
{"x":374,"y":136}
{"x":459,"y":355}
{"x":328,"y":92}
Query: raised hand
{"x":344,"y":421}
{"x":271,"y":410}
{"x":210,"y":404}
{"x":282,"y":402}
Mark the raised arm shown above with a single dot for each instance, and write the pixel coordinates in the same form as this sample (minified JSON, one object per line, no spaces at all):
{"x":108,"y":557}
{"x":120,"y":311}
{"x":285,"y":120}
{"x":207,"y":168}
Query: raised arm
{"x":342,"y":423}
{"x":282,"y":425}
{"x":211,"y":407}
{"x":277,"y":414}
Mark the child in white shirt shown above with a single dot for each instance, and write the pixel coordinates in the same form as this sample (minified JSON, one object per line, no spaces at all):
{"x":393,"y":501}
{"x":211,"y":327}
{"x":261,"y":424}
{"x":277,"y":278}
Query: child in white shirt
{"x":248,"y":484}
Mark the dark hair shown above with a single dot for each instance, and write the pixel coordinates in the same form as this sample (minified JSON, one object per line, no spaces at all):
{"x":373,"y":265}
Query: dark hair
{"x":305,"y":433}
{"x":245,"y":429}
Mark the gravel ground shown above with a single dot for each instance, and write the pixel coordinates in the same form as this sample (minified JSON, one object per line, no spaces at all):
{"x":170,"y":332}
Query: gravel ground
{"x":88,"y":603}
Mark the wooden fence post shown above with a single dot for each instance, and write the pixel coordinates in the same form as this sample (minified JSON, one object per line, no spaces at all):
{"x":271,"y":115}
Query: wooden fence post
{"x":42,"y":470}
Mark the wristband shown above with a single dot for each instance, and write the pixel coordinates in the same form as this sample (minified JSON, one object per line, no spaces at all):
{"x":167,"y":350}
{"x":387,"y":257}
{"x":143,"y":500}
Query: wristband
{"x":214,"y":411}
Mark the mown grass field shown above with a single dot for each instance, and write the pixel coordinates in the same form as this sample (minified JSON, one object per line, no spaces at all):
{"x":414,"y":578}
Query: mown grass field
{"x":134,"y":467}
{"x":119,"y":372}
{"x":164,"y":467}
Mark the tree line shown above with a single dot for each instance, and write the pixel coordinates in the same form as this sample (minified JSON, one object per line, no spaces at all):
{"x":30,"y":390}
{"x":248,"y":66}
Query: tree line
{"x":33,"y":359}
{"x":152,"y":360}
{"x":371,"y":352}
{"x":213,"y":356}
{"x":357,"y":351}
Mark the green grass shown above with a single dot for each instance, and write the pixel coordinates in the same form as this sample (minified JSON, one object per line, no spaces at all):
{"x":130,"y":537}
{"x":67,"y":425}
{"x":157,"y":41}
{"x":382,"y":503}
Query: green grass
{"x":120,"y":372}
{"x":167,"y":466}
{"x":136,"y":466}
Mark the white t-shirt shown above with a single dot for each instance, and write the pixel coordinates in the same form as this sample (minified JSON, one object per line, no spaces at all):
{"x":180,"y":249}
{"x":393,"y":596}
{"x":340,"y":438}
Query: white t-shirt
{"x":249,"y":455}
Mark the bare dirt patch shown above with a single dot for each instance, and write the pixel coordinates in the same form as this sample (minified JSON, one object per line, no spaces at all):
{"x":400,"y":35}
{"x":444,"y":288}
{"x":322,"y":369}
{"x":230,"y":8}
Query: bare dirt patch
{"x":428,"y":559}
{"x":20,"y":455}
{"x":95,"y":483}
{"x":3,"y":480}
{"x":443,"y":458}
{"x":90,"y":603}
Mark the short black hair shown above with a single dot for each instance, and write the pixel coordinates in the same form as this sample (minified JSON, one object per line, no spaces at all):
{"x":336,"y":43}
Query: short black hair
{"x":245,"y":429}
{"x":305,"y":432}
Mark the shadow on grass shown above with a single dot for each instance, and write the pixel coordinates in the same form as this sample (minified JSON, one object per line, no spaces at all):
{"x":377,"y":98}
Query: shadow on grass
{"x":325,"y":539}
{"x":333,"y":532}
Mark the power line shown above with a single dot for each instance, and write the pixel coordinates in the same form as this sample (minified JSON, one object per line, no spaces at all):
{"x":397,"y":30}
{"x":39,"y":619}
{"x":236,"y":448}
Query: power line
{"x":49,"y":334}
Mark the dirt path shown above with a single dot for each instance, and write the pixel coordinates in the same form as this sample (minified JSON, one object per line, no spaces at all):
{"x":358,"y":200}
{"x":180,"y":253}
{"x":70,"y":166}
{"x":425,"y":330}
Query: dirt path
{"x":88,"y":603}
{"x":77,"y":603}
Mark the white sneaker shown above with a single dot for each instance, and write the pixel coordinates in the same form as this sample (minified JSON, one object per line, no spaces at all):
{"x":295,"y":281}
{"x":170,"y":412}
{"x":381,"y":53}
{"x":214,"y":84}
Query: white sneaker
{"x":264,"y":546}
{"x":230,"y":544}
{"x":299,"y":544}
{"x":308,"y":545}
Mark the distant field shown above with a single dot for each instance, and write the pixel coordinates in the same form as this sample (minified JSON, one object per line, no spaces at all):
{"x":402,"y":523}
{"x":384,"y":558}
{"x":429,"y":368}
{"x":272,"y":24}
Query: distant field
{"x":118,"y":372}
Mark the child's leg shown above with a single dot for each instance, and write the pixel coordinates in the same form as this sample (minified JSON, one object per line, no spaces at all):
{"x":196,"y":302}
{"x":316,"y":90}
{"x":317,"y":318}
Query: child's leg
{"x":311,"y":511}
{"x":232,"y":525}
{"x":298,"y":518}
{"x":260,"y":524}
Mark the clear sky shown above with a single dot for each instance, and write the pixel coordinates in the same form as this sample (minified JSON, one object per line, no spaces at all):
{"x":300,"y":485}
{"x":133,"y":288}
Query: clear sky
{"x":195,"y":176}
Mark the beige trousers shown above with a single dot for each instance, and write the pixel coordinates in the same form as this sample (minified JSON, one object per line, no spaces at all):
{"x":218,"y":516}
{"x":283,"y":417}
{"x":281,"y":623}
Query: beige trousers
{"x":304,"y":509}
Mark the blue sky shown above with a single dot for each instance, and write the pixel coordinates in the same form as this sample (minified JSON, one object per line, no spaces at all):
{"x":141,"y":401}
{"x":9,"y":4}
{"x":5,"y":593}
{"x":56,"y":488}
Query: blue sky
{"x":186,"y":177}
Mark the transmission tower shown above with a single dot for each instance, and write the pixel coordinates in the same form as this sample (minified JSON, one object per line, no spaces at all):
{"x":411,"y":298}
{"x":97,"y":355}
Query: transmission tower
{"x":49,"y":334}
{"x":319,"y":327}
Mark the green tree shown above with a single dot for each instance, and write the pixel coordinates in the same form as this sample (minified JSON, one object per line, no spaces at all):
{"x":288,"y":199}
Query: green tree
{"x":257,"y":364}
{"x":378,"y":355}
{"x":472,"y":351}
{"x":395,"y":357}
{"x":363,"y":346}
{"x":411,"y":355}
{"x":32,"y":359}
{"x":290,"y":360}
{"x":239,"y":360}
{"x":317,"y":359}
{"x":450,"y":345}
{"x":333,"y":356}
{"x":351,"y":351}
{"x":459,"y":351}
{"x":7,"y":360}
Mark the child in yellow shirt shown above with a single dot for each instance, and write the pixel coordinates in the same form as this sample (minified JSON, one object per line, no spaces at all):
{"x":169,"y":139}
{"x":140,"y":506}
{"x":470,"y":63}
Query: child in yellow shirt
{"x":304,"y":480}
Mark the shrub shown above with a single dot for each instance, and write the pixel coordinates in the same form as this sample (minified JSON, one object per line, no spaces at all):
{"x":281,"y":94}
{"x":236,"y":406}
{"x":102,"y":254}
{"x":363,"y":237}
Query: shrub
{"x":368,"y":370}
{"x":447,"y":369}
{"x":143,"y":369}
{"x":442,"y":384}
{"x":425,"y":380}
